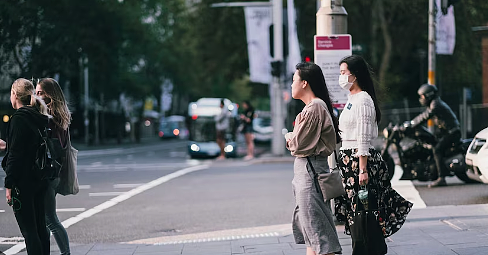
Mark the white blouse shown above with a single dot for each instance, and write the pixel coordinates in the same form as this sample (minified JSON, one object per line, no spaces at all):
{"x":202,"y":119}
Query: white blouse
{"x":357,"y":123}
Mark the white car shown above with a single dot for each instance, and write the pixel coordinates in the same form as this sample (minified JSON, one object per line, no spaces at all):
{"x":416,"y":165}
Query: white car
{"x":477,"y":157}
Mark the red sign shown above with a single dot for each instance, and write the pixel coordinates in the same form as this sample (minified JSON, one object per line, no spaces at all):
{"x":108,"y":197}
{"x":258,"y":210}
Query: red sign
{"x":333,"y":42}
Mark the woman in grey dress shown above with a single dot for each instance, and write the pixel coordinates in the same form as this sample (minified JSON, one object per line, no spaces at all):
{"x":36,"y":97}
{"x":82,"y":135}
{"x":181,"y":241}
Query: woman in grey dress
{"x":314,"y":136}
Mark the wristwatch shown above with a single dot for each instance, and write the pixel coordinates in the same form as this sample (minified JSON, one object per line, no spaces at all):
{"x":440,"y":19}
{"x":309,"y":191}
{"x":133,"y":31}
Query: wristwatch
{"x":363,"y":171}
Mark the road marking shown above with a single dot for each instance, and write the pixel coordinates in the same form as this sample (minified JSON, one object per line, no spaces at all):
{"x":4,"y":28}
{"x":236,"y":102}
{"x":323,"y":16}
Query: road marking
{"x":126,"y":167}
{"x":127,"y":186}
{"x":105,"y":194}
{"x":70,"y":209}
{"x":84,"y":186}
{"x":114,"y":201}
{"x":1,"y":211}
{"x":452,"y":225}
{"x":222,"y":235}
{"x":225,"y":238}
{"x":407,"y":189}
{"x":11,"y":240}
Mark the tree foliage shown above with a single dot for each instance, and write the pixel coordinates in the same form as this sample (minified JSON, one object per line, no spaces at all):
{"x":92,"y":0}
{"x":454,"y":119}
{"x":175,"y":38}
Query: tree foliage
{"x":134,"y":45}
{"x":394,"y":35}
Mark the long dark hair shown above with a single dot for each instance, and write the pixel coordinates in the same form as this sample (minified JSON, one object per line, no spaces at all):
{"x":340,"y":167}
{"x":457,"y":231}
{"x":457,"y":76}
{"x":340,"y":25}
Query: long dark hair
{"x":312,"y":73}
{"x":360,"y":68}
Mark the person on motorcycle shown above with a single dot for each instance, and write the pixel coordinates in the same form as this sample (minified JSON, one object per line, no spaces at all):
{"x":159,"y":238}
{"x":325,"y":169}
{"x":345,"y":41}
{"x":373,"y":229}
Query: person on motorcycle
{"x":447,"y":123}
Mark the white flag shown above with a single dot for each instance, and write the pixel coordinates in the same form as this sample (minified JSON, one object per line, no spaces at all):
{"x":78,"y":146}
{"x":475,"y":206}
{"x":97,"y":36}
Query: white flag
{"x":445,"y":31}
{"x":258,"y":21}
{"x":293,"y":46}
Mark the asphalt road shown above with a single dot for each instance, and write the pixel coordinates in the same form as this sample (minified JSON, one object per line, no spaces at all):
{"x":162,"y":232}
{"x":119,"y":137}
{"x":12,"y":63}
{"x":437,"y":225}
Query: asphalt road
{"x":156,"y":190}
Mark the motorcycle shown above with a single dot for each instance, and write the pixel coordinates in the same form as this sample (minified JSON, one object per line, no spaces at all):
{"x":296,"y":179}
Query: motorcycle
{"x":414,"y":148}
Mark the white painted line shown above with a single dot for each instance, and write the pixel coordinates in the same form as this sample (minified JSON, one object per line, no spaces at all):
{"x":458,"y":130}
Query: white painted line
{"x":127,"y":185}
{"x":2,"y":211}
{"x":84,"y":186}
{"x":452,"y":225}
{"x":114,"y":201}
{"x":105,"y":194}
{"x":11,"y":240}
{"x":225,"y":238}
{"x":1,"y":188}
{"x":70,"y":209}
{"x":407,"y":189}
{"x":229,"y":234}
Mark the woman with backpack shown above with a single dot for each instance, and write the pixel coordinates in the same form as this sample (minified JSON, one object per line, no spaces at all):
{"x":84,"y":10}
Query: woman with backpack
{"x":49,"y":90}
{"x":25,"y":190}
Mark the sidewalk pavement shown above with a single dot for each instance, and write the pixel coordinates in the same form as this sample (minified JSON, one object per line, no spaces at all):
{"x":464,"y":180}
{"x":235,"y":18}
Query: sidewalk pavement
{"x":442,"y":230}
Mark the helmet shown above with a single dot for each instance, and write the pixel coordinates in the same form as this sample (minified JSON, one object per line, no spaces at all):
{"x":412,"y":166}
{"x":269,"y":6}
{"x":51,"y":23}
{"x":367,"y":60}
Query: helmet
{"x":429,"y":92}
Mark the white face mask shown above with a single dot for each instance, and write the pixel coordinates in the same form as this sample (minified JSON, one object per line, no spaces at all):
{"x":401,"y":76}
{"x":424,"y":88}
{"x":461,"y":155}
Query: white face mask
{"x":344,"y":81}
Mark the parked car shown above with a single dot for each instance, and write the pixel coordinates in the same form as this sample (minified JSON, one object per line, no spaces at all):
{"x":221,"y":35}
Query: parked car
{"x":173,"y":127}
{"x":263,"y":131}
{"x":477,"y":157}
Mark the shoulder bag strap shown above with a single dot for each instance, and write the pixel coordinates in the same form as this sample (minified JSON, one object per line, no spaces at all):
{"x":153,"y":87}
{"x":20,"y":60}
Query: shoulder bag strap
{"x":313,"y":175}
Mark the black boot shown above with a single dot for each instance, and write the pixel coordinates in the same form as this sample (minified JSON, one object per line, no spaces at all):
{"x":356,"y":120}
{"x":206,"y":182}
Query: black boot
{"x":441,"y":181}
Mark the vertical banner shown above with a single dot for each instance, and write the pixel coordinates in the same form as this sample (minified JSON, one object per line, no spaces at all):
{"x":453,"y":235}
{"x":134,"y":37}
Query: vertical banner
{"x":328,"y":51}
{"x":258,"y":21}
{"x":445,"y":31}
{"x":293,"y":46}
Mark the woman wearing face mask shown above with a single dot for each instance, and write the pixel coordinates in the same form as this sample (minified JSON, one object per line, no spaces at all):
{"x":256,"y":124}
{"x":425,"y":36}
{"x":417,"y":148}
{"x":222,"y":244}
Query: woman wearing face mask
{"x":361,"y":165}
{"x":49,"y":90}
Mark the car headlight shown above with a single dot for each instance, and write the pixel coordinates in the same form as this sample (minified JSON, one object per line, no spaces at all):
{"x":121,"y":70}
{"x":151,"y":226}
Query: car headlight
{"x":194,"y":147}
{"x":229,"y":148}
{"x":385,"y":132}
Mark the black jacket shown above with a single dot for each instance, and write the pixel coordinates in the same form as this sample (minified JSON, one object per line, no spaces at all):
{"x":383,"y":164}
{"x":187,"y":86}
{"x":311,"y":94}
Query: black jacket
{"x":22,"y":144}
{"x":442,"y":115}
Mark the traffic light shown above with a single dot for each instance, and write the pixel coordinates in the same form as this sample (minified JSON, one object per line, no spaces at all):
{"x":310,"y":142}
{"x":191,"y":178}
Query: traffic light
{"x":308,"y":59}
{"x":445,"y":5}
{"x":276,"y":68}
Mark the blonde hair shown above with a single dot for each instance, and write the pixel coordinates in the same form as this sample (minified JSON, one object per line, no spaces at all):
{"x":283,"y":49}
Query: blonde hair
{"x":58,"y":106}
{"x":26,"y":93}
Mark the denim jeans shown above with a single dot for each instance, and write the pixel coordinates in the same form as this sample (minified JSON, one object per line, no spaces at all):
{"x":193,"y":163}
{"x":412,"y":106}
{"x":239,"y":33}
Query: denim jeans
{"x":52,"y":221}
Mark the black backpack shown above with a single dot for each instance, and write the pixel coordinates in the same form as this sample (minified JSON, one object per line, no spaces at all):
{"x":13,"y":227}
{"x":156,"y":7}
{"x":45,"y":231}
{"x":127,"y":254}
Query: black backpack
{"x":49,"y":156}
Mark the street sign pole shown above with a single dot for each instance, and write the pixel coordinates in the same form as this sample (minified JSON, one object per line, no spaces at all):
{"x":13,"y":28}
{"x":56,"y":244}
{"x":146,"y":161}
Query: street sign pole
{"x":332,"y":20}
{"x":278,"y":141}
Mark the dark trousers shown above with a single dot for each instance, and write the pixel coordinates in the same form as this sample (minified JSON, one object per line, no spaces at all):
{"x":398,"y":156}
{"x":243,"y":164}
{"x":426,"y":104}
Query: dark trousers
{"x":444,"y":144}
{"x":31,"y":219}
{"x":52,"y":221}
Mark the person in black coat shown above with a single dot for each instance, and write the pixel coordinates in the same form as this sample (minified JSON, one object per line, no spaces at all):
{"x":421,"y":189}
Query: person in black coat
{"x":25,"y":190}
{"x":449,"y":129}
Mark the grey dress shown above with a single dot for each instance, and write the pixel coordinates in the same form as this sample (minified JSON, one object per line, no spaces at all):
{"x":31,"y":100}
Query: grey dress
{"x":313,"y":136}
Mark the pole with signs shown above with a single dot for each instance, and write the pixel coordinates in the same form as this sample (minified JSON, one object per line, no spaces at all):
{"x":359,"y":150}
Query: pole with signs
{"x":331,"y":44}
{"x":329,"y":50}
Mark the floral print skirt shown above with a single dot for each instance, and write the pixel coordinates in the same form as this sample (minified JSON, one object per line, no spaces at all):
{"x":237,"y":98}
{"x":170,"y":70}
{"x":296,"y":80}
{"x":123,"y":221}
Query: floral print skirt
{"x":392,"y":207}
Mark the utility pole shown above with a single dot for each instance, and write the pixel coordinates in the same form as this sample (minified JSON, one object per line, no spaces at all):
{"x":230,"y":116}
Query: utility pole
{"x":87,"y":102}
{"x":331,"y":18}
{"x":432,"y":52}
{"x":277,"y":107}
